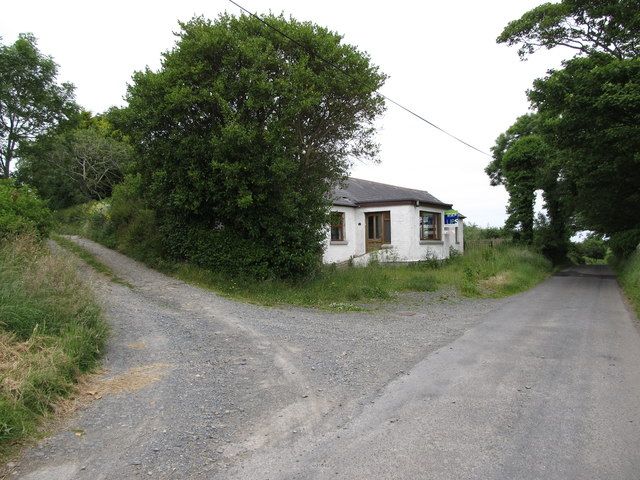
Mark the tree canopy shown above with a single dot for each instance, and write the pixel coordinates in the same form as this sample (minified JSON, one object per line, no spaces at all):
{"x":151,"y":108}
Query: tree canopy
{"x":526,"y":163}
{"x":242,"y":134}
{"x":81,"y":160}
{"x":588,"y":26}
{"x":591,"y":112}
{"x":587,"y":121}
{"x":31,"y":101}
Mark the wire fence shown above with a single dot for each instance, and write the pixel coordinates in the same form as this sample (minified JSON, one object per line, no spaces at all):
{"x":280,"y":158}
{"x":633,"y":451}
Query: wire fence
{"x":485,"y":244}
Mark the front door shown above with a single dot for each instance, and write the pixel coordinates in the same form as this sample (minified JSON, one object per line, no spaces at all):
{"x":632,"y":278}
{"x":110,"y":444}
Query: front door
{"x":378,"y":230}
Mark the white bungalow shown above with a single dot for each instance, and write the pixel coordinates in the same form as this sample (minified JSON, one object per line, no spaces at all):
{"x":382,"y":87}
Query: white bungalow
{"x":392,"y":224}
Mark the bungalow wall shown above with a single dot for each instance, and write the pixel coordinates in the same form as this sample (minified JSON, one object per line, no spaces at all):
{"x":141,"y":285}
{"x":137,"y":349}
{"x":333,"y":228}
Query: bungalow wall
{"x":405,"y":245}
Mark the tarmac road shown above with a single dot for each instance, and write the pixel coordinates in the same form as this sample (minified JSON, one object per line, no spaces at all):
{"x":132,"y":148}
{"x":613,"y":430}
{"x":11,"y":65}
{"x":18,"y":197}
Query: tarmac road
{"x":547,"y":387}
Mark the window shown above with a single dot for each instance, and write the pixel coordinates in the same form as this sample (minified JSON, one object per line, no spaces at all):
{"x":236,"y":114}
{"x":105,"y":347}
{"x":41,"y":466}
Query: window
{"x":430,"y":226}
{"x":337,"y":227}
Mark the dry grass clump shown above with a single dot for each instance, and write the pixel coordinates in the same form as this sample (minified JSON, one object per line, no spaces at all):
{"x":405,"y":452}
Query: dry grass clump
{"x":33,"y":373}
{"x":51,"y":331}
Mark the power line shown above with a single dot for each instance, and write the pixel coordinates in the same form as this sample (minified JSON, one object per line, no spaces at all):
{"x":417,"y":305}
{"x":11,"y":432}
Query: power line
{"x":335,"y":67}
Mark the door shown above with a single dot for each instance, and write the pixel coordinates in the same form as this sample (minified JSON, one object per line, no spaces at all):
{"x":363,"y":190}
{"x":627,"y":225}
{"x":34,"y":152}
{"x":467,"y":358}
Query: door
{"x":378,"y":231}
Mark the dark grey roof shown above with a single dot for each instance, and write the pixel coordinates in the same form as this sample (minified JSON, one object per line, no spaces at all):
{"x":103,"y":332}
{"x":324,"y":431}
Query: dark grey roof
{"x":356,"y":192}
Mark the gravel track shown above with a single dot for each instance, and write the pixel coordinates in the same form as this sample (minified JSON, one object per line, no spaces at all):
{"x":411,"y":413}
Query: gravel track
{"x":196,"y":384}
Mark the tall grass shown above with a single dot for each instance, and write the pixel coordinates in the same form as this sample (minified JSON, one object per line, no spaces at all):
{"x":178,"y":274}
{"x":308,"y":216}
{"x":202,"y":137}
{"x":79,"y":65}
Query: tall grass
{"x":496,"y":272}
{"x":490,"y":267}
{"x":51,"y":331}
{"x":629,"y":276}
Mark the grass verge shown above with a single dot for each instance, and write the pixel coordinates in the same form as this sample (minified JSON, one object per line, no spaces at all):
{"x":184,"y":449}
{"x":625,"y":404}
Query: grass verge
{"x":51,"y":332}
{"x":89,"y":259}
{"x":497,"y":272}
{"x":629,"y":277}
{"x":500,"y":271}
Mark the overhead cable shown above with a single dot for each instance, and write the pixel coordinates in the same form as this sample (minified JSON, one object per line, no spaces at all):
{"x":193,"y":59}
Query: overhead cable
{"x":335,"y":67}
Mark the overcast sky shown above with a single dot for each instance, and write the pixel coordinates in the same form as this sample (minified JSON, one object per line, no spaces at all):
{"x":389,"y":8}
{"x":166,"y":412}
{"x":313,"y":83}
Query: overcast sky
{"x":441,"y":58}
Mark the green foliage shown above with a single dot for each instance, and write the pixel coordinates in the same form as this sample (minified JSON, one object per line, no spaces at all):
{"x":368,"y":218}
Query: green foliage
{"x":98,"y":225}
{"x":70,"y":221}
{"x":474,"y":232}
{"x":629,"y":276}
{"x":588,"y":26}
{"x":591,"y":113}
{"x":123,"y":222}
{"x":519,"y":156}
{"x":241,"y":136}
{"x":587,"y":115}
{"x":624,"y":243}
{"x":31,"y":102}
{"x":51,"y":330}
{"x":496,"y":272}
{"x":592,"y":249}
{"x":91,"y":220}
{"x":82,"y":160}
{"x":521,"y":166}
{"x":21,"y":211}
{"x":136,"y":230}
{"x":525,"y":163}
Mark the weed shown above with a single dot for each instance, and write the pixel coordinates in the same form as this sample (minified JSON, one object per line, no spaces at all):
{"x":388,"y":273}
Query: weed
{"x":502,"y":271}
{"x":432,"y":261}
{"x":346,"y":307}
{"x":375,"y":292}
{"x":470,"y":280}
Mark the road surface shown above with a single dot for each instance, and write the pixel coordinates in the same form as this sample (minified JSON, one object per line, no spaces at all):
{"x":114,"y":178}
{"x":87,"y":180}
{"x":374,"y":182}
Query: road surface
{"x":543,"y":385}
{"x":547,"y":387}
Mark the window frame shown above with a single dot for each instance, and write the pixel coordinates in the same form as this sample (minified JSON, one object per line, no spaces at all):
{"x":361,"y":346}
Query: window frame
{"x":437,"y":226}
{"x":381,"y":228}
{"x":339,"y":226}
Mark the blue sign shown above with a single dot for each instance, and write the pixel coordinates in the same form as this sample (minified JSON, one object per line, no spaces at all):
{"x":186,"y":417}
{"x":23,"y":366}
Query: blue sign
{"x":451,"y":217}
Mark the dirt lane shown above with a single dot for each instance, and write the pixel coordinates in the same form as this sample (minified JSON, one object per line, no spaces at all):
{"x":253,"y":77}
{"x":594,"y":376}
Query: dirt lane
{"x":196,"y":386}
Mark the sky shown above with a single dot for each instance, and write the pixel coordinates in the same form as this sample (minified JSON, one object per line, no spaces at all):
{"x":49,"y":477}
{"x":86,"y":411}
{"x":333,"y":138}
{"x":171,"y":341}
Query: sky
{"x":441,"y":58}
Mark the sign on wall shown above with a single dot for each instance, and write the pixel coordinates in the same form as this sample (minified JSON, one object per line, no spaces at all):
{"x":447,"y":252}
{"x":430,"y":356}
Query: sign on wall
{"x":451,"y":217}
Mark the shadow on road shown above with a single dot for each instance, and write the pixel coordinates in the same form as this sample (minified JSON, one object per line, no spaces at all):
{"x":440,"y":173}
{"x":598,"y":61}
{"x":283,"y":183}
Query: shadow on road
{"x":597,"y":271}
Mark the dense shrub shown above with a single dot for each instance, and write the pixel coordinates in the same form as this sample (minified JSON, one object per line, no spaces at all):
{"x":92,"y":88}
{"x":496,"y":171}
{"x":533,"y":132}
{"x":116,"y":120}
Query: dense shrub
{"x":134,"y":224}
{"x":207,"y":245}
{"x":623,"y":244}
{"x":593,"y":248}
{"x":21,"y":211}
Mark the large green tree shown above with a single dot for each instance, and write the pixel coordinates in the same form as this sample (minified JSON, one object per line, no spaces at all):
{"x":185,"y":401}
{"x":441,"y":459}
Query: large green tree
{"x":31,"y":101}
{"x":591,"y":112}
{"x":81,"y":160}
{"x":525,"y":163}
{"x":587,"y":26}
{"x":588,"y":113}
{"x":242,"y":134}
{"x":518,"y":157}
